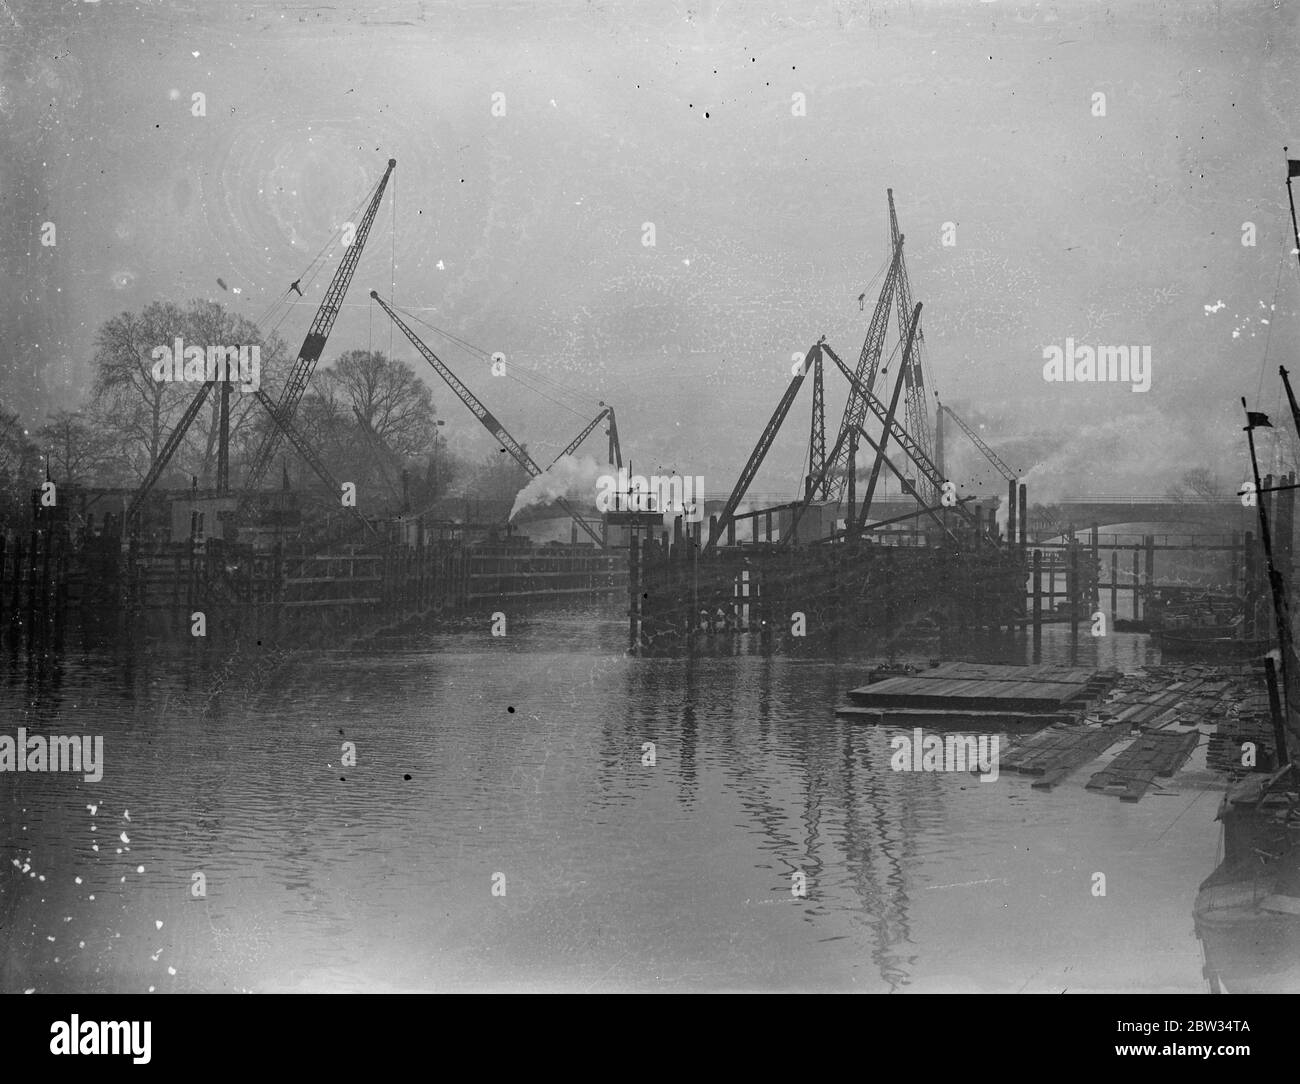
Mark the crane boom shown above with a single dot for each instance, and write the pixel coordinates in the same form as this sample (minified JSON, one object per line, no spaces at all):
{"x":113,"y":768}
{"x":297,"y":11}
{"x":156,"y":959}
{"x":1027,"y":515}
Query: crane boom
{"x":989,"y":453}
{"x":485,"y":416}
{"x":915,"y":407}
{"x":314,"y":343}
{"x":168,"y":450}
{"x":760,"y":451}
{"x":868,"y":362}
{"x":572,"y":446}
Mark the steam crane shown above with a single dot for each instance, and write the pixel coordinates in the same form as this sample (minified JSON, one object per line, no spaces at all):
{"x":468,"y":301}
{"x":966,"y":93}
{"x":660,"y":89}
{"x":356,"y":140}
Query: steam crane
{"x":490,"y":423}
{"x":314,"y":343}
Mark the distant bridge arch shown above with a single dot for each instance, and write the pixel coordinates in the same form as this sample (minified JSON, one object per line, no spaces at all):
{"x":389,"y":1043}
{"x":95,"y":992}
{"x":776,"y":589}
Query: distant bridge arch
{"x":1217,"y":515}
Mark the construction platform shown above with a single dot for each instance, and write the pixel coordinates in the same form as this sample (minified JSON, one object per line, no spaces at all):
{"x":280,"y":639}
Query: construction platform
{"x":971,"y":690}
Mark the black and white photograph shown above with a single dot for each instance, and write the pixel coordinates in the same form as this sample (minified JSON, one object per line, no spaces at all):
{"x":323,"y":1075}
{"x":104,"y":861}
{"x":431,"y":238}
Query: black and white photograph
{"x":626,"y":497}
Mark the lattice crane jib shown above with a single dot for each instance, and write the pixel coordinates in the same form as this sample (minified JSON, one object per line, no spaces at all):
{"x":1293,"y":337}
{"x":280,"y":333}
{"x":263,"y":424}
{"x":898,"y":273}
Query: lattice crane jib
{"x":841,"y":466}
{"x":817,"y":435}
{"x":916,"y":407}
{"x":481,"y":412}
{"x":1007,"y":473}
{"x":615,"y":454}
{"x":900,"y":436}
{"x":313,"y":345}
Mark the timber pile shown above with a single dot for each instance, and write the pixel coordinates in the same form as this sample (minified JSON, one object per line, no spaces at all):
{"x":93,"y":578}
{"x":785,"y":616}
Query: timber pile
{"x":1053,"y":754}
{"x":1159,"y":753}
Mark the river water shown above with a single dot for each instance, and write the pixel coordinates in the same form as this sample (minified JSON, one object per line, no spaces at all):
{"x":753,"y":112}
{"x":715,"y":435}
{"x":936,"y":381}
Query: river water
{"x":499,"y":830}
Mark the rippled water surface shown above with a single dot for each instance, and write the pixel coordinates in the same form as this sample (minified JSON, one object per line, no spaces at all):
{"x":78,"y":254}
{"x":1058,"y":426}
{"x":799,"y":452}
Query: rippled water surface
{"x":522,"y":757}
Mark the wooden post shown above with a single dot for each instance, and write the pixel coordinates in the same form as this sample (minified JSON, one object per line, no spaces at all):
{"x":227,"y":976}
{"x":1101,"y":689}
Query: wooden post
{"x":1275,"y":710}
{"x":1150,"y":569}
{"x":633,"y":589}
{"x":1074,"y":592}
{"x":1024,"y":518}
{"x":1114,"y":588}
{"x":1094,"y":572}
{"x":1011,"y":516}
{"x":1137,"y":591}
{"x":1037,"y":611}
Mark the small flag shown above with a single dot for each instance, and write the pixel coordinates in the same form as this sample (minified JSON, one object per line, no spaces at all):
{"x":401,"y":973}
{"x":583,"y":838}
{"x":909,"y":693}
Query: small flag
{"x":1292,"y":168}
{"x":1255,"y":420}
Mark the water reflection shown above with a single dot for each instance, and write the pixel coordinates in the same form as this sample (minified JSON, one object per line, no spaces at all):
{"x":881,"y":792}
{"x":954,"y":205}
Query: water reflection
{"x":618,"y":874}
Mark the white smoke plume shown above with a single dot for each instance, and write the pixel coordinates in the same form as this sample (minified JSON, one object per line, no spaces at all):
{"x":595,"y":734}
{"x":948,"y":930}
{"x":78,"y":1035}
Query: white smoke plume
{"x":568,"y":477}
{"x":1138,"y":455}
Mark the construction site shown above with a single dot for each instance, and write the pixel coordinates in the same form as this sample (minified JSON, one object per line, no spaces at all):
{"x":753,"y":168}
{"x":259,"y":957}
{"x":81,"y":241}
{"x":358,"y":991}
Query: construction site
{"x":869,"y":548}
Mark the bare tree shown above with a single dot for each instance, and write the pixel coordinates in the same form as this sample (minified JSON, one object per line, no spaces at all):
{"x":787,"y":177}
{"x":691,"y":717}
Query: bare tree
{"x":395,"y":402}
{"x":141,"y":412}
{"x":79,"y":450}
{"x":1196,"y":483}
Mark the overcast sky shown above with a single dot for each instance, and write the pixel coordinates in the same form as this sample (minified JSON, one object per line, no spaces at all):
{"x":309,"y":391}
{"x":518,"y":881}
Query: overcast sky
{"x":523,"y":233}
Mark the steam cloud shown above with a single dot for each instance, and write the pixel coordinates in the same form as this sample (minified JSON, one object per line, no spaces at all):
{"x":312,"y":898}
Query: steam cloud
{"x":1139,"y":454}
{"x":568,"y":477}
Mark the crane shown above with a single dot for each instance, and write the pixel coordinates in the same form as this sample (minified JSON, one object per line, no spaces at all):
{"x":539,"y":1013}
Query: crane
{"x":615,"y":452}
{"x":313,"y":345}
{"x":760,"y":451}
{"x":900,"y":436}
{"x":989,"y":454}
{"x":916,"y":408}
{"x":855,"y":409}
{"x":489,"y":421}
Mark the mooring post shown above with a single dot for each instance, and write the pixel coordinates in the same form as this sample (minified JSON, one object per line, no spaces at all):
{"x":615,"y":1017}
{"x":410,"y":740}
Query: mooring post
{"x":1074,"y":592}
{"x":1038,"y":603}
{"x":1114,"y":588}
{"x":1094,"y":571}
{"x":1137,"y":590}
{"x":1024,"y":518}
{"x":633,"y":588}
{"x":1149,"y":543}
